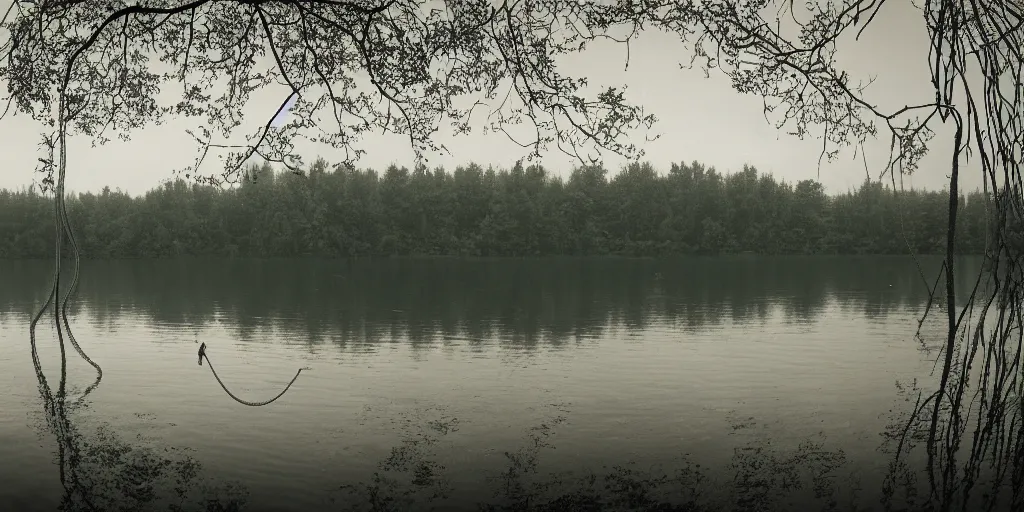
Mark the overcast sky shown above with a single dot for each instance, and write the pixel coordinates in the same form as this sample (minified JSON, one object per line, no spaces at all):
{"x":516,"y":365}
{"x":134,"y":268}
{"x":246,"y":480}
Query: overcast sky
{"x":699,"y":119}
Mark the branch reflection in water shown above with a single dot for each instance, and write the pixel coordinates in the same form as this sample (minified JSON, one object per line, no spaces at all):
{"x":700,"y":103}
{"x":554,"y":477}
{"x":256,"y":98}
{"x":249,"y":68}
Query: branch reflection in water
{"x":978,"y":462}
{"x":104,"y":473}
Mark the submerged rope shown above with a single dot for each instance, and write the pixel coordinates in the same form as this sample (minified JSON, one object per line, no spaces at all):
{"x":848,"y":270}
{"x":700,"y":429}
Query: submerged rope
{"x":202,"y":354}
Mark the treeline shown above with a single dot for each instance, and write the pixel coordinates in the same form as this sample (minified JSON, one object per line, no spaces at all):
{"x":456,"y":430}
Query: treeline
{"x":524,"y":211}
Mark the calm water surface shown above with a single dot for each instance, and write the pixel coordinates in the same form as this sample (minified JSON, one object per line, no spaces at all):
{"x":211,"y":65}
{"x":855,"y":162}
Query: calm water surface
{"x":454,"y":384}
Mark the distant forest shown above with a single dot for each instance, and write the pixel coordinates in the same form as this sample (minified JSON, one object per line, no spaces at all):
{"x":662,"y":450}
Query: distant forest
{"x":473,"y":211}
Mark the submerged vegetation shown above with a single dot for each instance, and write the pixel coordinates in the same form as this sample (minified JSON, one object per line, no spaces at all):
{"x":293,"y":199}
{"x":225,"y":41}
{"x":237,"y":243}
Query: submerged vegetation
{"x":524,"y":211}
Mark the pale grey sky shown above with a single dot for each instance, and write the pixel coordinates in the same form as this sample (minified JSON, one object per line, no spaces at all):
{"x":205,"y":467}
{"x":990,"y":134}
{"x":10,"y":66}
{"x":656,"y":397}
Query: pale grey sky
{"x":700,"y":119}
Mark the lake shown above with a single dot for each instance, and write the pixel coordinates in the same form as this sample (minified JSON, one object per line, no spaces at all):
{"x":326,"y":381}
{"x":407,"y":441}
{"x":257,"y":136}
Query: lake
{"x":451,"y":384}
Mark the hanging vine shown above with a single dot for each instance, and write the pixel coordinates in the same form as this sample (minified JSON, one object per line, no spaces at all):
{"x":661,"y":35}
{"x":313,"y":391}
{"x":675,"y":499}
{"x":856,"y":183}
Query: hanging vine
{"x":972,"y":423}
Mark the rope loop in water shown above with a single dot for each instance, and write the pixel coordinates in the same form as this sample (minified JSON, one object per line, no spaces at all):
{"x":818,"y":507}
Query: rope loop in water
{"x":202,"y":355}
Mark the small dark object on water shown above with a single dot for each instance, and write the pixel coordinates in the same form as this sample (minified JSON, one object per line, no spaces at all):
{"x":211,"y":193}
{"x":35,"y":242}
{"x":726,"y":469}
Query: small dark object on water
{"x":202,"y":353}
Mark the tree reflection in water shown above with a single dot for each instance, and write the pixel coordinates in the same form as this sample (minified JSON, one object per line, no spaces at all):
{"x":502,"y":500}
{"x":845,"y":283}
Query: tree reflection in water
{"x":981,"y":467}
{"x":104,"y":473}
{"x":979,"y":461}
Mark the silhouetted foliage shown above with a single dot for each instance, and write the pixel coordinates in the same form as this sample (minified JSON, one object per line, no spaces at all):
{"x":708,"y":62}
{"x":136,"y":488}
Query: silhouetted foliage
{"x":524,"y":211}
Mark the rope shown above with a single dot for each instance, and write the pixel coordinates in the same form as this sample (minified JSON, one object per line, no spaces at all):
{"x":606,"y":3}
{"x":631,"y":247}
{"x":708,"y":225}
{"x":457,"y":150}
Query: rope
{"x":202,"y":354}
